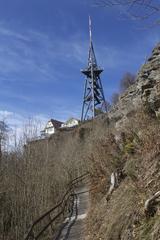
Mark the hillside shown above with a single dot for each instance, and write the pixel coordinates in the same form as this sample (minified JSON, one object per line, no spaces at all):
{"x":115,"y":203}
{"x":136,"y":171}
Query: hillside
{"x":120,"y":150}
{"x":122,"y":145}
{"x":126,"y":164}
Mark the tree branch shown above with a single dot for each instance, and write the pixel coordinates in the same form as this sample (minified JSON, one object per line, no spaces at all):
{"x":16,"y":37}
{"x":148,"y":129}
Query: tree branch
{"x":150,"y":204}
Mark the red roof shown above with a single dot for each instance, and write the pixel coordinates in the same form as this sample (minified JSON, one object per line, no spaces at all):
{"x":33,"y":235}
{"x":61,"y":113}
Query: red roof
{"x":56,"y":123}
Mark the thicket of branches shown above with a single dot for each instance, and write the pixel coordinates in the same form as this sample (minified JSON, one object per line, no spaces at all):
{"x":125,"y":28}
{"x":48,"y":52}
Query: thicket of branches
{"x":33,"y":179}
{"x":126,"y":81}
{"x":135,"y":9}
{"x":131,"y":154}
{"x":3,"y":137}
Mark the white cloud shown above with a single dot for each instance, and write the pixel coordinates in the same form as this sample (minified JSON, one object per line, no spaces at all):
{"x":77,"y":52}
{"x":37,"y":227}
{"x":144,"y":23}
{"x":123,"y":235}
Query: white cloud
{"x":41,"y":60}
{"x":50,"y":49}
{"x":10,"y":33}
{"x":36,"y":55}
{"x":4,"y":114}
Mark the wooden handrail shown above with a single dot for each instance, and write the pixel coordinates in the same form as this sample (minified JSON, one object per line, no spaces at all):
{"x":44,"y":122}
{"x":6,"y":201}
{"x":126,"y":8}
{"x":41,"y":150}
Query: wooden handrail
{"x":64,"y":202}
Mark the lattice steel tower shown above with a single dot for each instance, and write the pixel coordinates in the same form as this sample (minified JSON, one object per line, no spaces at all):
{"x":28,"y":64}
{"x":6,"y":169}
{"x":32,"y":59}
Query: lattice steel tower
{"x":94,"y":100}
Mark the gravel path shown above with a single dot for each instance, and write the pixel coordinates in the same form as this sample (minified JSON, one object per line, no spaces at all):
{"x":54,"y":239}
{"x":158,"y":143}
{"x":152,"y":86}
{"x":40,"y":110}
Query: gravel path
{"x":74,"y":226}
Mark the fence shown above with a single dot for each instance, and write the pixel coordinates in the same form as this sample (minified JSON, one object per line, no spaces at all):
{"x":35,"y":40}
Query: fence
{"x":64,"y":206}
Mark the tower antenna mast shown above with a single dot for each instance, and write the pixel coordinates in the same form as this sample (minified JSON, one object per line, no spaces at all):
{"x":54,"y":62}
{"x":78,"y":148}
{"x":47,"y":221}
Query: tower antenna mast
{"x":90,"y":30}
{"x":93,"y":100}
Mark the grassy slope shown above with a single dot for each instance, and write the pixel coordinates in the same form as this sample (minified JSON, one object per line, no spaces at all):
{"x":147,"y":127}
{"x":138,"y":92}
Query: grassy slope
{"x":49,"y":165}
{"x":136,"y":156}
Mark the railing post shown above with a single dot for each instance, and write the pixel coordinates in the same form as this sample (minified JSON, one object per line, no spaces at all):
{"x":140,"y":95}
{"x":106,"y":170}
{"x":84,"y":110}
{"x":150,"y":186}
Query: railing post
{"x":32,"y":236}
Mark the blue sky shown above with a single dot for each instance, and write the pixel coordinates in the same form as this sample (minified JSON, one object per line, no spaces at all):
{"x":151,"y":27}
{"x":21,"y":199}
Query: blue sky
{"x":43,"y":46}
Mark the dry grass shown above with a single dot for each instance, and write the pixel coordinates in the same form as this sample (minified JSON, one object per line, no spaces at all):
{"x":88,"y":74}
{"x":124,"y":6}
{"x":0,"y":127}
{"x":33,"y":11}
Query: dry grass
{"x":34,"y":180}
{"x":134,"y":150}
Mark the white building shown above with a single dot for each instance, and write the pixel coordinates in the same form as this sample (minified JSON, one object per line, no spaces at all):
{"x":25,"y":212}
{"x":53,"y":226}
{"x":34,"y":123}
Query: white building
{"x":51,"y":127}
{"x":72,"y":122}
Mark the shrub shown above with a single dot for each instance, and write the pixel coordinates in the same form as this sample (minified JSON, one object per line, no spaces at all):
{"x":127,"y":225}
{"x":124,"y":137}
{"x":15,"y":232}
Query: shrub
{"x":129,"y":148}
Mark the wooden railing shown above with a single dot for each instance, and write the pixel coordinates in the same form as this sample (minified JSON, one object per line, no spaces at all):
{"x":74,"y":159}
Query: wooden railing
{"x":35,"y":232}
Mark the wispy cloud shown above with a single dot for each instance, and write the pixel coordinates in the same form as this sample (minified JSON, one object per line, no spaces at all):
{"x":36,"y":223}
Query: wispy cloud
{"x":10,"y":33}
{"x":33,"y":57}
{"x":38,"y":54}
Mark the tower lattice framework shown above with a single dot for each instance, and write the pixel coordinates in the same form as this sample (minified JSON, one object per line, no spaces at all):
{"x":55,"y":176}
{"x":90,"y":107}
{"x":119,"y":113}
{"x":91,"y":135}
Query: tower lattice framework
{"x":94,"y":99}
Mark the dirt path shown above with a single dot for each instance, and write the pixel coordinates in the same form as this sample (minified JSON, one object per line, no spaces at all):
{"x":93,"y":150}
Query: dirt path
{"x":74,"y":227}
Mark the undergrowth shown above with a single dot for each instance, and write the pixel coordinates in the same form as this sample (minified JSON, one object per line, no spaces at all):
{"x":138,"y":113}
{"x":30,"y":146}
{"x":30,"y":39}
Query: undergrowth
{"x":133,"y":153}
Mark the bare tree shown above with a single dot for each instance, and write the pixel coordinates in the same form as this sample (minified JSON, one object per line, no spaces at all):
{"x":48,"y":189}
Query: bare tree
{"x":115,"y":98}
{"x":3,"y":136}
{"x":136,"y":9}
{"x":107,"y":106}
{"x":127,"y":80}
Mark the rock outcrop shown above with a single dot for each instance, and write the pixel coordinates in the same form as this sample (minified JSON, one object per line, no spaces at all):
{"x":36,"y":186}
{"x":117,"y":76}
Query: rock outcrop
{"x":145,"y":91}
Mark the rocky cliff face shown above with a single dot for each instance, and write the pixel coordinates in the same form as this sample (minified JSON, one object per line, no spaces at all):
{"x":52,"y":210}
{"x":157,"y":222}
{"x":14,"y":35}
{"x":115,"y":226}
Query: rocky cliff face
{"x":129,"y":152}
{"x":148,"y":81}
{"x":145,"y":91}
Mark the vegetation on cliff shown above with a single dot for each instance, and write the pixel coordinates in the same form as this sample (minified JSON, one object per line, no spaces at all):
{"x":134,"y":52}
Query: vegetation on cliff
{"x":132,"y":155}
